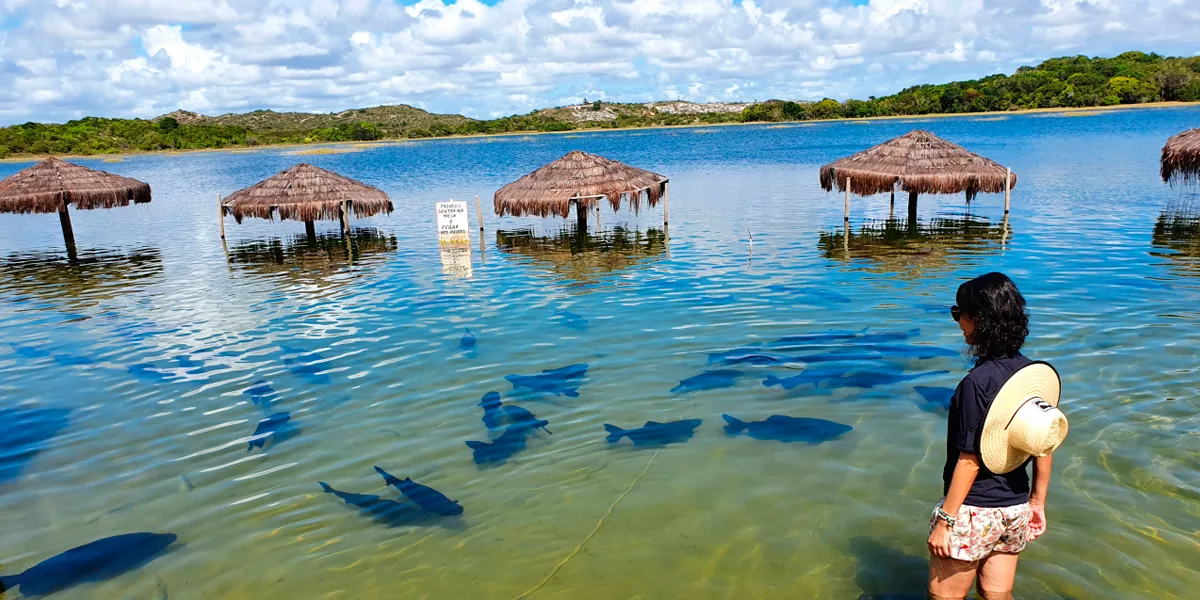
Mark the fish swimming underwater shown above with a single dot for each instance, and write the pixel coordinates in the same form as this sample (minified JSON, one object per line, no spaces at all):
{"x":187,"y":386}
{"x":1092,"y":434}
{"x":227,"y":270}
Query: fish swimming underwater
{"x":384,"y":512}
{"x":497,"y":414}
{"x":825,"y":372}
{"x":847,"y":337}
{"x":708,"y":380}
{"x":424,"y":496}
{"x":870,"y":379}
{"x":307,"y":365}
{"x":814,"y":293}
{"x":512,"y":441}
{"x":937,"y":399}
{"x":100,"y":560}
{"x":24,"y":432}
{"x":274,"y":428}
{"x":563,"y":381}
{"x":654,"y":434}
{"x":71,"y":360}
{"x":259,"y":392}
{"x":725,"y":300}
{"x":781,"y":428}
{"x":570,"y":320}
{"x":468,"y":340}
{"x":149,"y":372}
{"x":29,"y":352}
{"x":919,"y":352}
{"x":757,"y":358}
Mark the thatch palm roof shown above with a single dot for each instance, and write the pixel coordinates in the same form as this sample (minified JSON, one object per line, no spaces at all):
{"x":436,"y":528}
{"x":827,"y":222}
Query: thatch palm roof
{"x":306,"y":193}
{"x":1181,"y":158}
{"x":920,"y":162}
{"x":52,"y":184}
{"x":581,"y":178}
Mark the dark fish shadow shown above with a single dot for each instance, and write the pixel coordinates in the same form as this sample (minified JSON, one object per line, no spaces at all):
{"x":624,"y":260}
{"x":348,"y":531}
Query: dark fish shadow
{"x":393,"y":514}
{"x":98,"y":561}
{"x":277,"y":436}
{"x":24,"y":433}
{"x":936,"y":399}
{"x":888,"y":573}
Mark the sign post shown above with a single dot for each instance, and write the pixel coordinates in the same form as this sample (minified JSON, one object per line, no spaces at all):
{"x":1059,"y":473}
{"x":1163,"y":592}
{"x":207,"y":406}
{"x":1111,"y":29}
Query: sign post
{"x":454,"y":238}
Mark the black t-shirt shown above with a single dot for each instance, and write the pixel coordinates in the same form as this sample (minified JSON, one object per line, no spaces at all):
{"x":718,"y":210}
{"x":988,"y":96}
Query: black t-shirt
{"x":968,"y":408}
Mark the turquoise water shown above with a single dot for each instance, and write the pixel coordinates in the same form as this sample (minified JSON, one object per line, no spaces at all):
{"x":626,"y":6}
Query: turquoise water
{"x":134,"y":373}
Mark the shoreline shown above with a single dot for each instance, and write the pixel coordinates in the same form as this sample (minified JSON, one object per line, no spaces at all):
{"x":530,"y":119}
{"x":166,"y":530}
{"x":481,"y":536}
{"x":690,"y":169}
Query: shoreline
{"x":355,"y":146}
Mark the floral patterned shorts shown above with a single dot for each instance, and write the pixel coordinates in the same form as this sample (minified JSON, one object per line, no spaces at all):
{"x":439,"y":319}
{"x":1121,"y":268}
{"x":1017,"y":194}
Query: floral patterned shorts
{"x":979,"y":532}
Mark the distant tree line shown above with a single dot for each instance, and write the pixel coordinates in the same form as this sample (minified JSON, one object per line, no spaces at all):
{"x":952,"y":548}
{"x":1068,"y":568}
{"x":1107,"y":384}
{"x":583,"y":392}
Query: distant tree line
{"x":1074,"y":82}
{"x":1131,"y":78}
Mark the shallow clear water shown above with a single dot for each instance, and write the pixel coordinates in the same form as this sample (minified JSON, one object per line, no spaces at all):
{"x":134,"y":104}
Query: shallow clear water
{"x":130,"y":372}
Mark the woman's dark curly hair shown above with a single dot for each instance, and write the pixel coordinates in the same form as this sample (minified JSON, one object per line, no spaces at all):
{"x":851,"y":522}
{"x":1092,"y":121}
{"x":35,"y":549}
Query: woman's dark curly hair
{"x":993,"y":302}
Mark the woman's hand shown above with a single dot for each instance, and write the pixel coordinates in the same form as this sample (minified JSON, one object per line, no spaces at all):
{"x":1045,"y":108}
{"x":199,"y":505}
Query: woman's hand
{"x":1037,"y":521}
{"x":939,"y":540}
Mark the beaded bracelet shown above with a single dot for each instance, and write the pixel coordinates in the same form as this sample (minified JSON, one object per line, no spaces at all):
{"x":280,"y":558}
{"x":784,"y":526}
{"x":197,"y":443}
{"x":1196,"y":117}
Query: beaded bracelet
{"x":945,"y":516}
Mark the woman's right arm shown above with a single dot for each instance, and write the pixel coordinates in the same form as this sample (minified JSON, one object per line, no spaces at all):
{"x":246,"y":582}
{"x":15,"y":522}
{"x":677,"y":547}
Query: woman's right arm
{"x":1037,"y":499}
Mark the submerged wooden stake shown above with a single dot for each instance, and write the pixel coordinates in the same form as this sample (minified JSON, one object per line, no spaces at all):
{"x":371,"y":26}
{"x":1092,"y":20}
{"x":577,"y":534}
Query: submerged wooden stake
{"x":1007,"y":189}
{"x":221,"y":212}
{"x":479,"y":211}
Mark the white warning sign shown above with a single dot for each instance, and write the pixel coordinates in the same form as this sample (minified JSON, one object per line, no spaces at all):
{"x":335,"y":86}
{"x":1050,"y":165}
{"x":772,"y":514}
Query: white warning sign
{"x":452,"y":223}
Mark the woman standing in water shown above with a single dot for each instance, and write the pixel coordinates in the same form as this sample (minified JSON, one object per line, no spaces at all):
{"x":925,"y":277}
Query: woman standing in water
{"x":1003,"y":416}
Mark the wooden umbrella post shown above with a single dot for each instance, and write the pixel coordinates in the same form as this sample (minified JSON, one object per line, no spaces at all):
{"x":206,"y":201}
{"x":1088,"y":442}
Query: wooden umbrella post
{"x":64,"y":218}
{"x":345,"y":217}
{"x":221,"y":215}
{"x":311,"y":230}
{"x":1007,"y":190}
{"x":912,"y":207}
{"x":666,"y":190}
{"x":479,"y":211}
{"x":846,"y":216}
{"x":581,"y":216}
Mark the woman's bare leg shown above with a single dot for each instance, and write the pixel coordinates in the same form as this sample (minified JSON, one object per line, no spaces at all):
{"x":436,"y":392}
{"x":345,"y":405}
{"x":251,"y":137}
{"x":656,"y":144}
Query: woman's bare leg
{"x":950,"y":579}
{"x":996,"y":575}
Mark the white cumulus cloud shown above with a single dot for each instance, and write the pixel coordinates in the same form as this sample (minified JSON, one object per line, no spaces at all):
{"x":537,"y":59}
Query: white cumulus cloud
{"x":63,"y":59}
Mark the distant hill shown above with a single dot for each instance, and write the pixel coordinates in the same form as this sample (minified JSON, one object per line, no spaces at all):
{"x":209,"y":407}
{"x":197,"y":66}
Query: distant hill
{"x":1068,"y":82}
{"x":392,"y":121}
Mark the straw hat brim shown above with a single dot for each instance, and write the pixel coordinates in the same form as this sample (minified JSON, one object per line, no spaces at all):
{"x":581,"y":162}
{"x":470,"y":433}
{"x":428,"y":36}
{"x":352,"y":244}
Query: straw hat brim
{"x":1035,"y":380}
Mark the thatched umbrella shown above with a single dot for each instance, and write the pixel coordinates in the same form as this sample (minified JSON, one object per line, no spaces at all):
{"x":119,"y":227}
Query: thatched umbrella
{"x":52,"y":185}
{"x":306,"y":193}
{"x":580,"y":179}
{"x":921,"y":163}
{"x":1181,"y":158}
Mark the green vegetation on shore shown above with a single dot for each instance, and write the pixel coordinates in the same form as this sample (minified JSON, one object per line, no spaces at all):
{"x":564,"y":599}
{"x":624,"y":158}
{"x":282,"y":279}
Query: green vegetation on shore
{"x":1071,"y":82}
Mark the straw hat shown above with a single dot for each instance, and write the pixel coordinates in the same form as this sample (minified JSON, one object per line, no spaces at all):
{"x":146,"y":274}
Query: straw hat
{"x":1024,"y":419}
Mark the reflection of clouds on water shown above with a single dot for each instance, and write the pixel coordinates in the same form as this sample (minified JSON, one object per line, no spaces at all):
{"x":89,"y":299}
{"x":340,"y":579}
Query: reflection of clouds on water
{"x":912,"y":249}
{"x":581,"y":257}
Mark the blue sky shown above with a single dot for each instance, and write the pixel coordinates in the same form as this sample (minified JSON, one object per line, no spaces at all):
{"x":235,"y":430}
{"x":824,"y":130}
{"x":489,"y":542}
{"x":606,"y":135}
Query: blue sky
{"x":141,"y":58}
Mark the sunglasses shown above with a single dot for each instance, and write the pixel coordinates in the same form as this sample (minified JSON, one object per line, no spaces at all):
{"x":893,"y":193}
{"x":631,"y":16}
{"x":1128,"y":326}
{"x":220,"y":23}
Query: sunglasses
{"x":955,"y":312}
